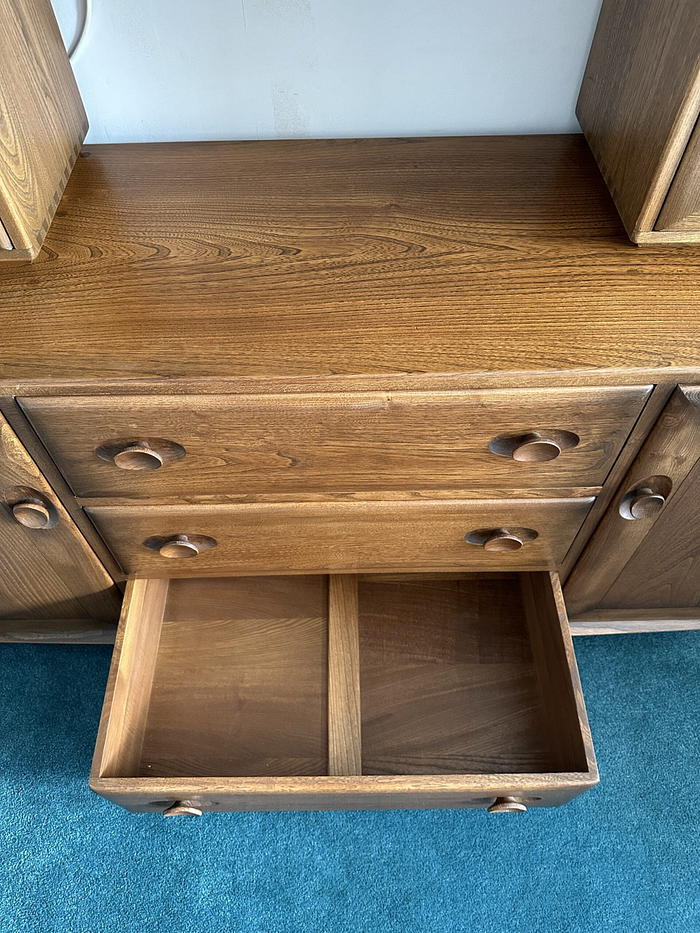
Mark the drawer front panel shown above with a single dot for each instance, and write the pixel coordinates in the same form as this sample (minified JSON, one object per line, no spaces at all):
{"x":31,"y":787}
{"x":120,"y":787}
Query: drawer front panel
{"x":352,"y":442}
{"x":172,"y":541}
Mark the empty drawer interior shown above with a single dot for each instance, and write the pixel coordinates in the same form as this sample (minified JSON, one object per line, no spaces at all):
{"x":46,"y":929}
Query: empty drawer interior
{"x":343,"y":674}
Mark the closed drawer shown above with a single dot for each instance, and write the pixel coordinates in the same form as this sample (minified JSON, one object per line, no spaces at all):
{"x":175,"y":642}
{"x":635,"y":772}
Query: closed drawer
{"x":196,"y":540}
{"x":215,"y":445}
{"x":343,"y":692}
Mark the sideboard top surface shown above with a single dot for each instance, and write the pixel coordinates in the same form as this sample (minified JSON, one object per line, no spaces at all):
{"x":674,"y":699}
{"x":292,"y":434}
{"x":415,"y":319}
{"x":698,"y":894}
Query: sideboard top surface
{"x":304,"y":258}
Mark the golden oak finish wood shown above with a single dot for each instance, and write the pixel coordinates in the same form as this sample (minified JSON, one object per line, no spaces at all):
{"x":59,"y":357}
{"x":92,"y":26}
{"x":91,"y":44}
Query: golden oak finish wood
{"x":648,"y":562}
{"x":336,"y":442}
{"x":639,"y":103}
{"x":482,"y":256}
{"x":623,"y":621}
{"x":140,"y":621}
{"x":664,"y":571}
{"x":43,"y":124}
{"x":643,"y":427}
{"x":48,"y":570}
{"x":681,"y":210}
{"x":14,"y":416}
{"x":65,"y":632}
{"x":307,"y":537}
{"x":240,"y":684}
{"x":230,"y":744}
{"x":448,"y":680}
{"x":344,"y":717}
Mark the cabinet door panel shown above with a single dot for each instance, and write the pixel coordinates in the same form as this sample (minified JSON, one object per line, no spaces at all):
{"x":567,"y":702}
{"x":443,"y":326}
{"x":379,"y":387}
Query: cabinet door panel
{"x":47,"y":572}
{"x":681,"y":210}
{"x":644,"y":554}
{"x":664,"y":571}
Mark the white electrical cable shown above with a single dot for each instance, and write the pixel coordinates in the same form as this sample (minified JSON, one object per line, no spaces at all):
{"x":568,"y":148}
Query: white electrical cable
{"x":83,"y":28}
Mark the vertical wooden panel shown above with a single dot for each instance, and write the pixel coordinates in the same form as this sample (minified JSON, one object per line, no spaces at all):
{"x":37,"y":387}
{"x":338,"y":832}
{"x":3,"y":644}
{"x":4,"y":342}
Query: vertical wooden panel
{"x":42,"y":127}
{"x":568,"y":732}
{"x":640,"y":100}
{"x":123,"y":724}
{"x":344,"y":721}
{"x":681,"y":210}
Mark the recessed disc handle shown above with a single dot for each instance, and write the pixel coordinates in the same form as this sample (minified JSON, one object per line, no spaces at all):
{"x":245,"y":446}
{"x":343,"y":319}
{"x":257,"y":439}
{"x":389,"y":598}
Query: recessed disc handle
{"x":31,"y":514}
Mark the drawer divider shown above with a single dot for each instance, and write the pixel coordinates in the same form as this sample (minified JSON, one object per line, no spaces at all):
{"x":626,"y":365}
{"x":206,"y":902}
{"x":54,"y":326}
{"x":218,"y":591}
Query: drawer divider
{"x":344,"y":720}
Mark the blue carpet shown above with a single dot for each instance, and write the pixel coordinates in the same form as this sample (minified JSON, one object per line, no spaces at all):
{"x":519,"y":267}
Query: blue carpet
{"x":624,"y":857}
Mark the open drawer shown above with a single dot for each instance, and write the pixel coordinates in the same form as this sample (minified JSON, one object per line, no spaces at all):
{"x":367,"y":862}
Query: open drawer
{"x":344,"y":692}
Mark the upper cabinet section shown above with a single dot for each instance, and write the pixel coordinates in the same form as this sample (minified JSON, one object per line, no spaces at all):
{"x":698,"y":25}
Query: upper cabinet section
{"x":638,"y":107}
{"x":42,"y":125}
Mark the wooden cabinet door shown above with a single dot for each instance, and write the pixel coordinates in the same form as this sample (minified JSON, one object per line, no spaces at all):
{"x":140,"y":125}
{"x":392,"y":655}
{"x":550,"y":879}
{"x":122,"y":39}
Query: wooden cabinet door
{"x":643,"y":562}
{"x":50,"y":578}
{"x":42,"y":125}
{"x":681,"y":210}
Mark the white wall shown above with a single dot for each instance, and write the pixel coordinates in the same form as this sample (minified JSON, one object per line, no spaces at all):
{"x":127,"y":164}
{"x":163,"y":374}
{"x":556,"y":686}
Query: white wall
{"x":254,"y":69}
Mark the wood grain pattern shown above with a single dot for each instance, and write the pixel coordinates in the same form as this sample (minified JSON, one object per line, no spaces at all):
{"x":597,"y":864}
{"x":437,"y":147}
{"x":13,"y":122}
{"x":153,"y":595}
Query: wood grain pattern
{"x":671,"y":450}
{"x":624,"y":621}
{"x":448,"y":679}
{"x":561,"y":695}
{"x":68,"y":632}
{"x":43,"y":123}
{"x":344,"y":718}
{"x":240,"y":684}
{"x":641,"y":430}
{"x":47,"y":574}
{"x":640,"y":99}
{"x":449,"y":255}
{"x":664,"y":570}
{"x":336,"y":442}
{"x":681,"y":209}
{"x":121,"y":732}
{"x":340,"y":537}
{"x":40,"y":456}
{"x":475,"y":624}
{"x":320,"y":792}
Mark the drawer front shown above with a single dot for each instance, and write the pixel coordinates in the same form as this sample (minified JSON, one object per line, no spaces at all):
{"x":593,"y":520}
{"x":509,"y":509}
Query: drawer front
{"x":215,"y":445}
{"x":171,"y":541}
{"x":343,"y":692}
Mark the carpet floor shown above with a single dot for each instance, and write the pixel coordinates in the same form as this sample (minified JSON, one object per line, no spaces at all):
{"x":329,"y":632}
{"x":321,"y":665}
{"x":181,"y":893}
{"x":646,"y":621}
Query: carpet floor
{"x":624,"y":857}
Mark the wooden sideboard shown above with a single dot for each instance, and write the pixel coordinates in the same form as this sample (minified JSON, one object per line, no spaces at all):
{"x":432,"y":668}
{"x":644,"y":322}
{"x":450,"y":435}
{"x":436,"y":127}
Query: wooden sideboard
{"x":339,"y":416}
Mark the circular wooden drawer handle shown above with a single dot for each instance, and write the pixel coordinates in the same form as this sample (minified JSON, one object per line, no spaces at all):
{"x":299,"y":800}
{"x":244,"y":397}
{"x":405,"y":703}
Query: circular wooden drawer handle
{"x":32,"y":514}
{"x":536,"y":448}
{"x":138,"y":456}
{"x":503,"y":541}
{"x":183,"y":808}
{"x":179,"y":546}
{"x":646,"y":503}
{"x":507,"y":805}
